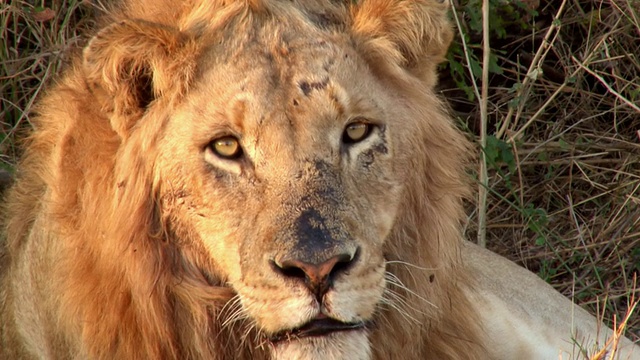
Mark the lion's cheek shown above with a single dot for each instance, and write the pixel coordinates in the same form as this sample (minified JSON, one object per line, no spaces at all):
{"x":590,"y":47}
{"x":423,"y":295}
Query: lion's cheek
{"x":380,"y":206}
{"x":385,"y":211}
{"x":221,"y":245}
{"x":228,"y":264}
{"x":385,"y":219}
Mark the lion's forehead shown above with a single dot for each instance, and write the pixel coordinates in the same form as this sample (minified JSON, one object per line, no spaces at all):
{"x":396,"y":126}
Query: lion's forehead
{"x":300,"y":90}
{"x":282,"y":70}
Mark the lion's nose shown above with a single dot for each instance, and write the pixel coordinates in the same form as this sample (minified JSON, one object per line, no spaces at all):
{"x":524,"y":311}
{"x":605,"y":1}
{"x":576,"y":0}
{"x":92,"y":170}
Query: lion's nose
{"x":318,"y":277}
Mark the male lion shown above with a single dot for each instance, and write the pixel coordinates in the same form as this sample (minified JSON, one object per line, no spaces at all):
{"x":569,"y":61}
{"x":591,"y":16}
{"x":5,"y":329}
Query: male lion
{"x":261,"y":179}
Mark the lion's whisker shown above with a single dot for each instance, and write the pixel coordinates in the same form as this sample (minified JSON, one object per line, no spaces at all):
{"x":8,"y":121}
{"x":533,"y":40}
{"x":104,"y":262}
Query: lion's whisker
{"x":400,"y":310}
{"x":248,"y":330}
{"x":229,"y":306}
{"x":402,"y":301}
{"x":392,"y":279}
{"x":231,"y":310}
{"x":408,"y":264}
{"x":238,"y":315}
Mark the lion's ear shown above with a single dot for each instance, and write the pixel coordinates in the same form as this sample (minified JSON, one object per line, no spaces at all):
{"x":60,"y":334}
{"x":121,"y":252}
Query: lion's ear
{"x":130,"y":64}
{"x":414,"y":34}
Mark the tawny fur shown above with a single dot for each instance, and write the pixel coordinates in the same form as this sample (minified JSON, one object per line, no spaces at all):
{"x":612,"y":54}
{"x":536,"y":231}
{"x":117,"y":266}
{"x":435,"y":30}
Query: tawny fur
{"x":117,"y":248}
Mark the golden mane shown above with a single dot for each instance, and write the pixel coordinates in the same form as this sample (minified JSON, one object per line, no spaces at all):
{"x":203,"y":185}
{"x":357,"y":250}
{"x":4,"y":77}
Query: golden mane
{"x":129,"y":285}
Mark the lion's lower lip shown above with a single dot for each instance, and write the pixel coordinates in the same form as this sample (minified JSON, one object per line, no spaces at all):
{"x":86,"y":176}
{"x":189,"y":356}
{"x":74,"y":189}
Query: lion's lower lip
{"x":319,"y":327}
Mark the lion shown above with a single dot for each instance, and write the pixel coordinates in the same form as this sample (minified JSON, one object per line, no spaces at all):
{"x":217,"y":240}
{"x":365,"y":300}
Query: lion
{"x":261,"y":179}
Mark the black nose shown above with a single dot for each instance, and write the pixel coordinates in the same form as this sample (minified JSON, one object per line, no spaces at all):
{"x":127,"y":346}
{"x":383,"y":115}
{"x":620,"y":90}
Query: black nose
{"x":317,"y":276}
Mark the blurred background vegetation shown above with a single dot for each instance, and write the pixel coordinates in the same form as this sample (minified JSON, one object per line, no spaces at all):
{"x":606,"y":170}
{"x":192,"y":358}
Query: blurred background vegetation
{"x":563,"y":144}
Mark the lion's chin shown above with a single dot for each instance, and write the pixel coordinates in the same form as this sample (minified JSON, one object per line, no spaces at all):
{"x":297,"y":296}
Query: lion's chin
{"x":351,"y":344}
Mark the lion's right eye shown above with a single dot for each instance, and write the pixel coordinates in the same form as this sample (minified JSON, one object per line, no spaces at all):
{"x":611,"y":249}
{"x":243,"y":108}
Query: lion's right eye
{"x":356,"y":132}
{"x":227,"y":147}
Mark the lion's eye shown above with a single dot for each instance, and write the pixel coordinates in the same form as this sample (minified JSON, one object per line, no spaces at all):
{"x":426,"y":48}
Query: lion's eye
{"x":227,"y":147}
{"x":356,"y":131}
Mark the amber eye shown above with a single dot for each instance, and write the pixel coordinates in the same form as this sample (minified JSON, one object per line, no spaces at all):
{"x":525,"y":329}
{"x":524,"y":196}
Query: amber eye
{"x":227,"y":147}
{"x":356,"y":131}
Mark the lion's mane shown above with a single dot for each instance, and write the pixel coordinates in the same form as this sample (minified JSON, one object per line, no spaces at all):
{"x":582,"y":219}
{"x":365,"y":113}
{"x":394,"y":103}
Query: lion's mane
{"x":127,"y":285}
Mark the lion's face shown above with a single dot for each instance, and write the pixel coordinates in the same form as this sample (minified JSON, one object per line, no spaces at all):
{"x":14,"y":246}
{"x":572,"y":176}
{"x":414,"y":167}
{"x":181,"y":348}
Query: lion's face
{"x":273,"y":146}
{"x":287,"y":178}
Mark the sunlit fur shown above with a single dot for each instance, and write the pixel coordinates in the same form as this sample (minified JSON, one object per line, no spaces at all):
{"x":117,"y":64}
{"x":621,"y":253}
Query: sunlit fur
{"x":113,"y":280}
{"x":126,"y":238}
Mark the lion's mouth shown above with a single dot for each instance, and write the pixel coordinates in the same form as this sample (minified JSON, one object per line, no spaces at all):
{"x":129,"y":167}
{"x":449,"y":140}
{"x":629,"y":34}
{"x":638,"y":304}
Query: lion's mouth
{"x":317,"y":327}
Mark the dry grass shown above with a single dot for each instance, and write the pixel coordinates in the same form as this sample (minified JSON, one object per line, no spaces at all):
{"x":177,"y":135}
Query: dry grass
{"x":609,"y":349}
{"x":564,"y":146}
{"x":564,"y":186}
{"x":34,"y":41}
